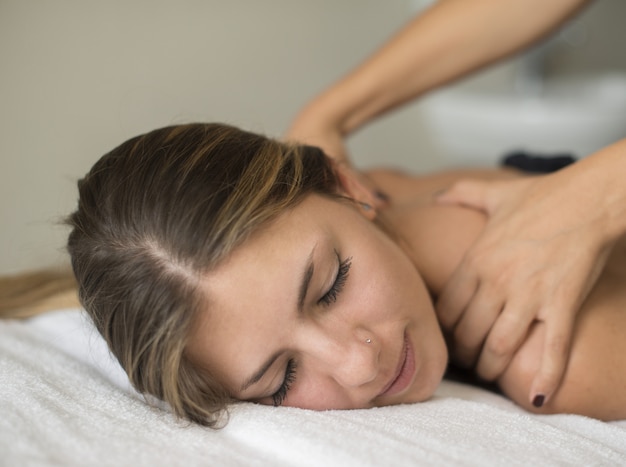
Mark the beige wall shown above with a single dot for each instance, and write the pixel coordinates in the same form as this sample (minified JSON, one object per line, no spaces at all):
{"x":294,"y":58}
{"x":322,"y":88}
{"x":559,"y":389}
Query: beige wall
{"x":78,"y":77}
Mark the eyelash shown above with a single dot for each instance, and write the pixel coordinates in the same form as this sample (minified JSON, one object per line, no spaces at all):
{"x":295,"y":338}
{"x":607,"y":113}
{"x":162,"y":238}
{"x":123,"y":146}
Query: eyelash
{"x":329,"y":297}
{"x":290,"y":376}
{"x":342,"y":276}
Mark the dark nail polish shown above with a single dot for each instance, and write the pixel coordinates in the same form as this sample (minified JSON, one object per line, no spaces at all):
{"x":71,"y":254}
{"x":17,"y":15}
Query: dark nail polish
{"x":538,"y":400}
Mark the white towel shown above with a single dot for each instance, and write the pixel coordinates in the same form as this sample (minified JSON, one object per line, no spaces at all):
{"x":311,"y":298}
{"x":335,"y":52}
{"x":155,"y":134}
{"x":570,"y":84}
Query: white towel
{"x":64,"y":401}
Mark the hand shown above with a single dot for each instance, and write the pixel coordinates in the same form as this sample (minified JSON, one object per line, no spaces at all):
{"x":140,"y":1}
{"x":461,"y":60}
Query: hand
{"x":306,"y":130}
{"x":540,"y":254}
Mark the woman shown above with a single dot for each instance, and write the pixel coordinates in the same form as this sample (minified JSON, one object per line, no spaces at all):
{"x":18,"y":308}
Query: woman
{"x":445,"y":42}
{"x":220,"y":265}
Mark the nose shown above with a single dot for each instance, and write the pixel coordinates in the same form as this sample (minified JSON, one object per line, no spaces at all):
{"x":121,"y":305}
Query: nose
{"x":345,"y":355}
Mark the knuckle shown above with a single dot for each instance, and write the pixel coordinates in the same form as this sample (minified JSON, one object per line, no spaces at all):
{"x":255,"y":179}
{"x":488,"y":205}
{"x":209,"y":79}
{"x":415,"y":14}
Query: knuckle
{"x":558,"y":346}
{"x":536,"y":282}
{"x":501,"y":281}
{"x":500,"y":346}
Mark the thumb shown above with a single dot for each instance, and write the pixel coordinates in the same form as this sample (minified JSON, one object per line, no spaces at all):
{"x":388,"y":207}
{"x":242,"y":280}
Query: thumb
{"x":470,"y":193}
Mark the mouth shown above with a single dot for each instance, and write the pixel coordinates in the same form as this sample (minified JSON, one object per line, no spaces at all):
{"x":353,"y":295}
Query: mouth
{"x":405,"y":371}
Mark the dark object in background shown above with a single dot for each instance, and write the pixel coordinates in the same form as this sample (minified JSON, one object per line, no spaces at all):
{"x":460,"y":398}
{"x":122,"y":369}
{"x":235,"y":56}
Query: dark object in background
{"x":537,"y":163}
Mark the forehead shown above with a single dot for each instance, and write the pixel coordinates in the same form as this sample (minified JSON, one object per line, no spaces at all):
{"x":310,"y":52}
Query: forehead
{"x":272,"y":248}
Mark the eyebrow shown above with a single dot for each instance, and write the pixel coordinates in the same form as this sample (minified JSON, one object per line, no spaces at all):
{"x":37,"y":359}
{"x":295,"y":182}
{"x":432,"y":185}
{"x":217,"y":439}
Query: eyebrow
{"x":304,"y":287}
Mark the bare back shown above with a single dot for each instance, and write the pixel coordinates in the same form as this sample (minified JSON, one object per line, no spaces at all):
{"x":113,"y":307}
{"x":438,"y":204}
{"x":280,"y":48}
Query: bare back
{"x":436,"y":237}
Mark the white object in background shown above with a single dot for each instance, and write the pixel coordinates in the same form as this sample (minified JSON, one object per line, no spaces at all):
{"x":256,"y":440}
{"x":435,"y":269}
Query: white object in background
{"x":576,"y":115}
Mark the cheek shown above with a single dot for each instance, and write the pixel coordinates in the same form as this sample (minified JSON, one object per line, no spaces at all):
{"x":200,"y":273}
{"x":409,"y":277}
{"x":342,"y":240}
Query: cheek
{"x":393,"y":285}
{"x":318,"y":394}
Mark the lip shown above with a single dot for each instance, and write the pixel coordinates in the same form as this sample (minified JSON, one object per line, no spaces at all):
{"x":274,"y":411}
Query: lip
{"x":405,"y":371}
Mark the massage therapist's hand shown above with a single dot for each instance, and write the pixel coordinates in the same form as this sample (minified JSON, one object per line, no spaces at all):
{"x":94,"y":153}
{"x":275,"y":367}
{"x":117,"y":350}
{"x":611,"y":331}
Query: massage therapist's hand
{"x":545,"y":243}
{"x":312,"y":129}
{"x":309,"y":128}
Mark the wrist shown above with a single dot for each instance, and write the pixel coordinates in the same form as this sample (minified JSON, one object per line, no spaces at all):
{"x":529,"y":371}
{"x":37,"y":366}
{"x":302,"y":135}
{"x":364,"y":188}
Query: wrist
{"x":595,"y":187}
{"x":605,"y":170}
{"x":324,"y":114}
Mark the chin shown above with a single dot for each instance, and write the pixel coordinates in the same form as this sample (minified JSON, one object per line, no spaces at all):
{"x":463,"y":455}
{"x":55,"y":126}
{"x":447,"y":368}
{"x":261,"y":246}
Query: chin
{"x":431,"y":360}
{"x":430,"y":372}
{"x":425,"y":390}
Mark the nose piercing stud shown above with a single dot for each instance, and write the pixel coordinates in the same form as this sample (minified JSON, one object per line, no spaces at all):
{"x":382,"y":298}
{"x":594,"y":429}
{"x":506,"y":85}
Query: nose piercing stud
{"x":368,"y":341}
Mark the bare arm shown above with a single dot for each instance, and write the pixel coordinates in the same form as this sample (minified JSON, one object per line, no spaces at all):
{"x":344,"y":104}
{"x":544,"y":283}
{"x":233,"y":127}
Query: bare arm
{"x":449,"y":40}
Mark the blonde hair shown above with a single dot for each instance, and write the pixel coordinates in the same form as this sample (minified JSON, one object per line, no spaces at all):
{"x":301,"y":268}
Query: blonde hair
{"x":29,"y":294}
{"x":153,"y":216}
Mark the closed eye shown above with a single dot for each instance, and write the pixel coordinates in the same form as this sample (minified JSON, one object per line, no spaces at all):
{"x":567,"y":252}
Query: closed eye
{"x":340,"y":281}
{"x":290,"y":376}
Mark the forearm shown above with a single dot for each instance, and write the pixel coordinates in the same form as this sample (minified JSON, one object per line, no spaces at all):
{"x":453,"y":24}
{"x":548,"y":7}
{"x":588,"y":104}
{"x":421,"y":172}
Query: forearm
{"x":449,"y":40}
{"x":597,"y":182}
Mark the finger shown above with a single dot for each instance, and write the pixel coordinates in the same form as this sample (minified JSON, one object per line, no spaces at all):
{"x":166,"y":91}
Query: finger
{"x":471,"y":193}
{"x":456,"y":294}
{"x":507,"y":334}
{"x":380,"y":198}
{"x":474,"y":325}
{"x":356,"y":186}
{"x":555,"y":357}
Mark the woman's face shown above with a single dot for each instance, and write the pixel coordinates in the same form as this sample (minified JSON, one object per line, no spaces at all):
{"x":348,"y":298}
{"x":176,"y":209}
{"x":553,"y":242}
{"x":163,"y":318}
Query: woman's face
{"x":320,"y":310}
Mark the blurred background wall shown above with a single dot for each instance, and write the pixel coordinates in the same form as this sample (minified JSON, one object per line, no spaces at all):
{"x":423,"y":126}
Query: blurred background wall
{"x":79,"y":77}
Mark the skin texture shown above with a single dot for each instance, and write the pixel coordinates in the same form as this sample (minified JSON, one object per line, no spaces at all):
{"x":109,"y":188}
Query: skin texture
{"x":253,"y":310}
{"x":449,"y":40}
{"x":254,"y":313}
{"x":552,"y":235}
{"x":439,"y":237}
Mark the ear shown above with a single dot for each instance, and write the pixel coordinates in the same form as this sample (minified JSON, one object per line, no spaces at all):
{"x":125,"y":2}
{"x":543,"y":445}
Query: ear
{"x":353,"y":186}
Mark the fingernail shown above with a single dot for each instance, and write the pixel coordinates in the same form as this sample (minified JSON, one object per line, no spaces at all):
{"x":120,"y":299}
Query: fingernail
{"x":538,"y":400}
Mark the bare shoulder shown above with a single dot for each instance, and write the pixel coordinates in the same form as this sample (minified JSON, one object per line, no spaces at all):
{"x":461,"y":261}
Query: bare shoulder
{"x":437,"y":238}
{"x":434,"y":236}
{"x":402,"y":186}
{"x":595,"y":380}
